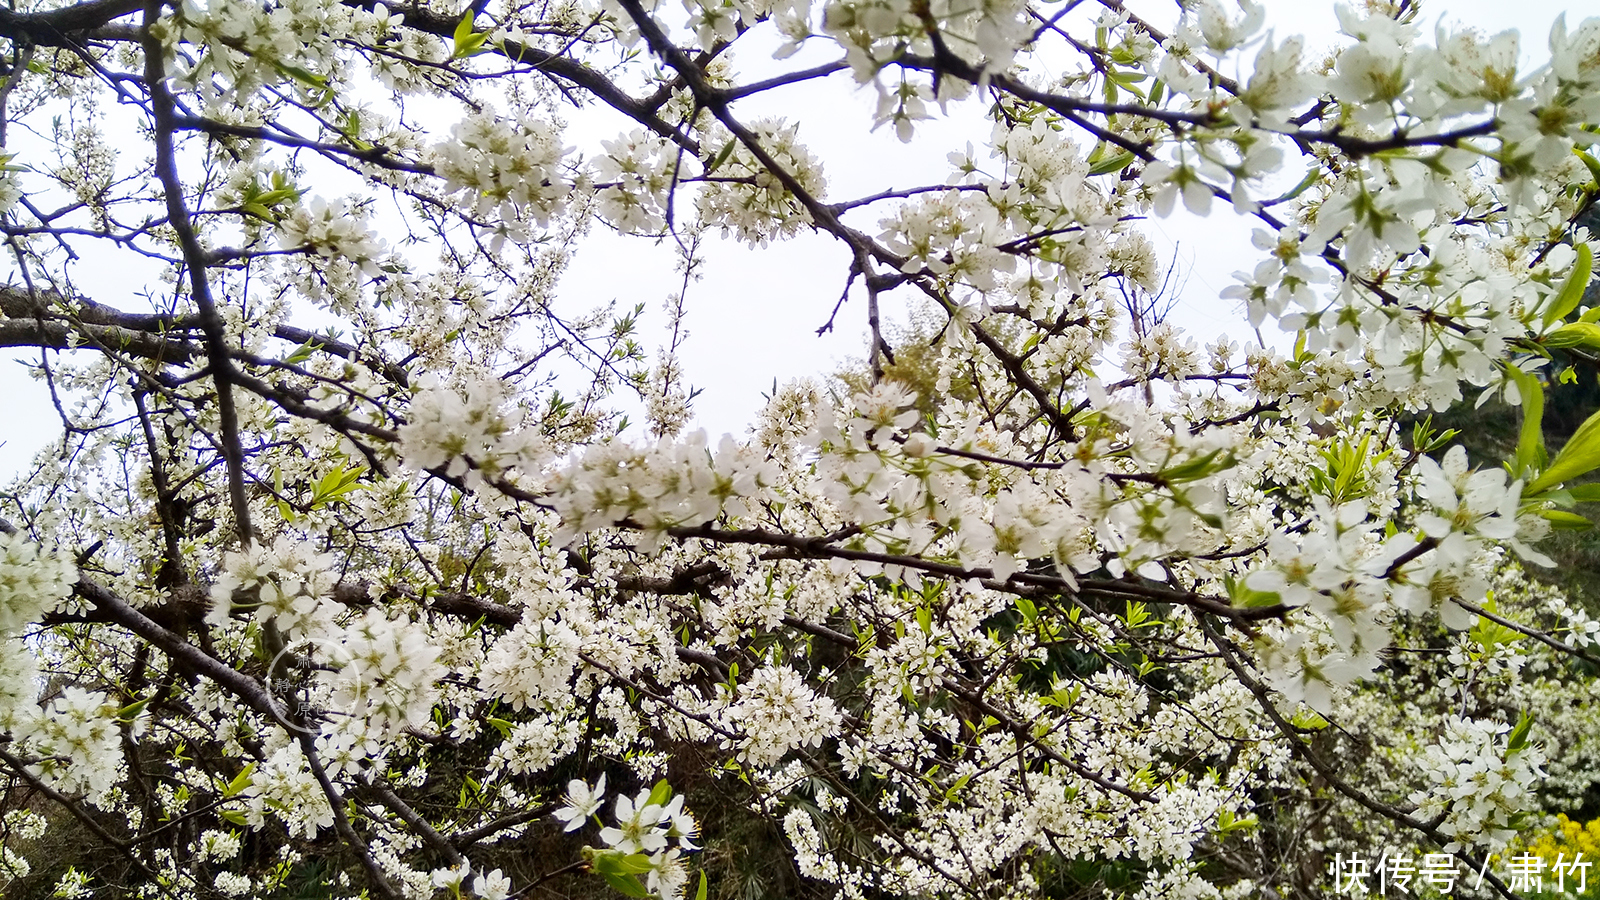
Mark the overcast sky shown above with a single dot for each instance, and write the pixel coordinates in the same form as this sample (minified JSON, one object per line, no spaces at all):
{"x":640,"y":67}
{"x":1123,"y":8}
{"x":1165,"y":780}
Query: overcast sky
{"x":754,"y":317}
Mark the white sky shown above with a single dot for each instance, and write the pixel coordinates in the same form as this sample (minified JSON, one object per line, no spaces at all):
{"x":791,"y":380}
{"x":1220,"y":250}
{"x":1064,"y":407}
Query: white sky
{"x":753,"y":318}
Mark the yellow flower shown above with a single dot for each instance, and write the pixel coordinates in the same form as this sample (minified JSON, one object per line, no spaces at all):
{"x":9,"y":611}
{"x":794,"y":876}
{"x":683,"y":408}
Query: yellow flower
{"x":1568,"y":841}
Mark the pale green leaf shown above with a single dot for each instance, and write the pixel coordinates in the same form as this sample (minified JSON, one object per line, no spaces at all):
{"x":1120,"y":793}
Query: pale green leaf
{"x":1580,"y":456}
{"x":1530,"y":442}
{"x":1572,"y":288}
{"x":1576,"y":334}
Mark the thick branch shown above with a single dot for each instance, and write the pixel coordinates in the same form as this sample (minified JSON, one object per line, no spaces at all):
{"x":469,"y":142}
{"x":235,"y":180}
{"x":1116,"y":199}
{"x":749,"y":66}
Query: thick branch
{"x":61,"y":336}
{"x":553,"y":65}
{"x":63,"y":27}
{"x":163,"y":112}
{"x":163,"y":337}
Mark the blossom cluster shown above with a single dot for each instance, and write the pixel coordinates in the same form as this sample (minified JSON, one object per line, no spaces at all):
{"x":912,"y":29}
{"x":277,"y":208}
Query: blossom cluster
{"x":1482,"y":775}
{"x":288,"y":580}
{"x":649,"y":837}
{"x":332,"y":231}
{"x":474,"y":431}
{"x":510,"y":169}
{"x":32,"y":580}
{"x":746,"y":199}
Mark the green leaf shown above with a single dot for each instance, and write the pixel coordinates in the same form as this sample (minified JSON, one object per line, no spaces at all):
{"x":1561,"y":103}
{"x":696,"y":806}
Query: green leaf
{"x":240,"y":782}
{"x":722,"y":156}
{"x":1519,"y":735}
{"x":1027,"y":608}
{"x":304,"y":76}
{"x":1530,"y":442}
{"x":1113,"y":164}
{"x":1589,"y":162}
{"x":1248,"y":597}
{"x":700,"y":892}
{"x":925,"y":619}
{"x":336,"y":484}
{"x":1585,"y":493}
{"x":1580,"y":456}
{"x":636,"y":863}
{"x":1064,"y":698}
{"x":1576,"y":334}
{"x":234,"y":817}
{"x":1560,"y":518}
{"x":660,"y":793}
{"x":302,"y":353}
{"x":1200,"y":467}
{"x":1309,"y":719}
{"x":1313,"y":175}
{"x":1227,"y":822}
{"x":132,"y":710}
{"x":626,"y":884}
{"x":613,"y":863}
{"x":1571,"y":291}
{"x":1137,"y":614}
{"x":467,"y":42}
{"x":1490,"y":634}
{"x":259,"y":210}
{"x":277,"y":491}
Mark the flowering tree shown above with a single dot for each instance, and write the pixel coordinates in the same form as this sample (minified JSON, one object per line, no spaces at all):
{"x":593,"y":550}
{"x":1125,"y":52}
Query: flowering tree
{"x":346,"y":578}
